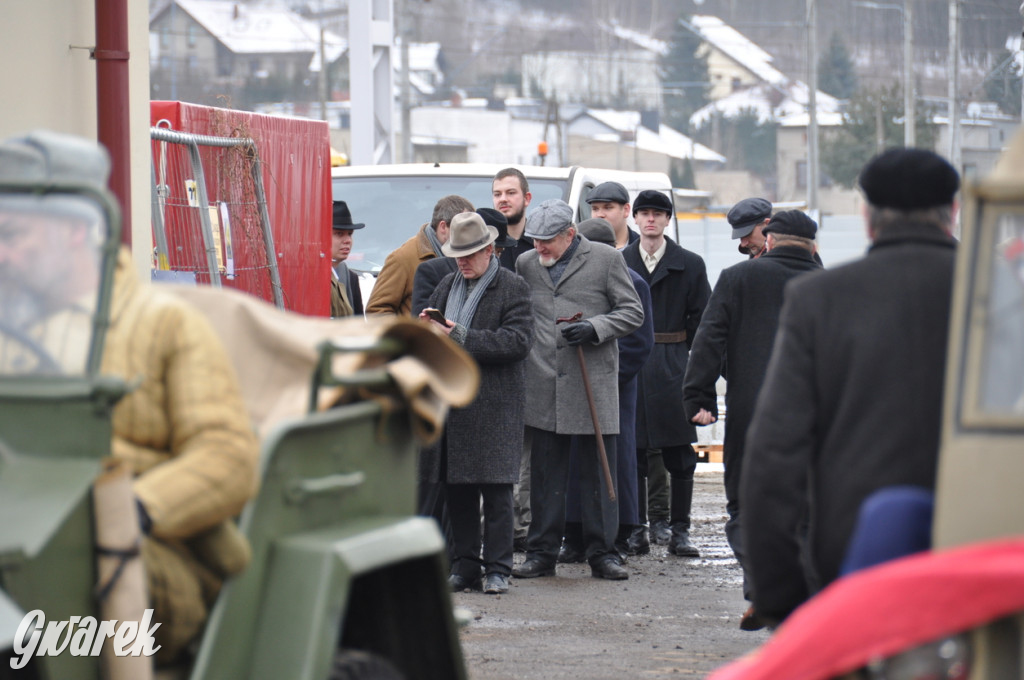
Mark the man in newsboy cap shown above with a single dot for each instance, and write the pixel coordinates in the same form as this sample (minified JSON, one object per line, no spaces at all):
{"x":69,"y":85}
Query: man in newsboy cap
{"x":747,"y":219}
{"x":852,"y":398}
{"x":739,"y":324}
{"x":569,"y":275}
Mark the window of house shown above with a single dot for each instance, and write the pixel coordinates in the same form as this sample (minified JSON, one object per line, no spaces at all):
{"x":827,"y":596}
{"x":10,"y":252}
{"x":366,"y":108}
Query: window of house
{"x":165,"y":36}
{"x":193,"y":35}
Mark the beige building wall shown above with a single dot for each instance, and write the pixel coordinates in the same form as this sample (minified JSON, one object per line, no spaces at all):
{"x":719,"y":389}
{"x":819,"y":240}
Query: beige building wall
{"x":791,"y":154}
{"x":49,"y":81}
{"x":726,"y":74}
{"x":593,"y":153}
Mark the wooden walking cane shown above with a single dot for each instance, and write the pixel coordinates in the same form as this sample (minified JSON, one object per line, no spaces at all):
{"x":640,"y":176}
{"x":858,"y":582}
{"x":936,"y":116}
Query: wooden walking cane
{"x":602,"y":454}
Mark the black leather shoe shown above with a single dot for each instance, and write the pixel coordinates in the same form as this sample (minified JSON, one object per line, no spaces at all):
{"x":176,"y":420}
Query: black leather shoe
{"x":609,"y":568}
{"x":495,"y":584}
{"x":661,"y":532}
{"x":532,"y":568}
{"x":638,"y":542}
{"x":570,"y":554}
{"x":680,"y":545}
{"x":460,"y":583}
{"x":751,"y":620}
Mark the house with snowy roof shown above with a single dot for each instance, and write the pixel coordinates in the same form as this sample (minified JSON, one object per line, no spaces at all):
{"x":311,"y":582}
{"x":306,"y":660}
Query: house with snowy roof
{"x":203,"y":50}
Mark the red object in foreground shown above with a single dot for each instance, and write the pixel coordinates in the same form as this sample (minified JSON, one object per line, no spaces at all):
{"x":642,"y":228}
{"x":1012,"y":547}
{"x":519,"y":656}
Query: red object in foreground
{"x":296,"y":161}
{"x":891,"y":608}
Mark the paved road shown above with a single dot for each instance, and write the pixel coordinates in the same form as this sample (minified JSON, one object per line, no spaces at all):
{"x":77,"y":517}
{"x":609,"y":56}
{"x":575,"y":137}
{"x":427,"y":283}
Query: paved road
{"x":673,"y":618}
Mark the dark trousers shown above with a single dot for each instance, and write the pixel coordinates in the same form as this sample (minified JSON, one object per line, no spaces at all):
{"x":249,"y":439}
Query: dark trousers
{"x":734,"y":525}
{"x":625,"y":479}
{"x":681,"y":462}
{"x":464,"y":510}
{"x":549,"y":470}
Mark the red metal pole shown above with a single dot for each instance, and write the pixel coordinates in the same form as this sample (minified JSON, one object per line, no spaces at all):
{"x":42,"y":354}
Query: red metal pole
{"x":111,"y":55}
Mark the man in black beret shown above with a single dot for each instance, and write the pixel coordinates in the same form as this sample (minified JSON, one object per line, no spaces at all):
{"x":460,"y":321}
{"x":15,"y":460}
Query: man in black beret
{"x":679,"y":290}
{"x":346,"y":297}
{"x":747,"y":219}
{"x":739,"y":324}
{"x":852,"y":399}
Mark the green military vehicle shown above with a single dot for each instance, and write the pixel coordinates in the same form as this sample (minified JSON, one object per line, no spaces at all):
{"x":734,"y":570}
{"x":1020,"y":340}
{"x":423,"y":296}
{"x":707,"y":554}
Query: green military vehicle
{"x":344,"y":581}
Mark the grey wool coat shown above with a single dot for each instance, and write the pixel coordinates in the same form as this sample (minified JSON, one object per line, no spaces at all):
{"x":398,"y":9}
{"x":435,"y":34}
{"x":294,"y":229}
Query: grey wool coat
{"x":484,"y":441}
{"x":596,"y":283}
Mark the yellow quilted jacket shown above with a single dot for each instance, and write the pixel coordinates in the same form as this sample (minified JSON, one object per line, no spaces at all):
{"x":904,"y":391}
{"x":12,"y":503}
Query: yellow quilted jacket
{"x":184,"y":428}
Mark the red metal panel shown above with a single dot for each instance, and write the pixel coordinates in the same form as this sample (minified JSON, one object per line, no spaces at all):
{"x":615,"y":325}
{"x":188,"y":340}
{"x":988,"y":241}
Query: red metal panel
{"x":295,"y":154}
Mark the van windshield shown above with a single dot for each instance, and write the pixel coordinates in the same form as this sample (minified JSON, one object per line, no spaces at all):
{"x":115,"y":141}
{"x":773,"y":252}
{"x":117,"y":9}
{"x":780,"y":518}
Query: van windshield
{"x":394,"y":208}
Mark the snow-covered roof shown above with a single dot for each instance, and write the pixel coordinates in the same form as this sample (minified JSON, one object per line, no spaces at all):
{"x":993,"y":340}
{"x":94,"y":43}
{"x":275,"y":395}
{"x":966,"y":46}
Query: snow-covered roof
{"x":269,"y":28}
{"x":666,"y":140}
{"x":738,"y":47}
{"x":785,"y":102}
{"x":423,"y":56}
{"x":659,"y":47}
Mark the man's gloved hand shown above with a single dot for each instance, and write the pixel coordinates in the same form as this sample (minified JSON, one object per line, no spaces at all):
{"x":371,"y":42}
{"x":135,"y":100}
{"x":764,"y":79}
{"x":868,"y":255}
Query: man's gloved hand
{"x":579,"y":333}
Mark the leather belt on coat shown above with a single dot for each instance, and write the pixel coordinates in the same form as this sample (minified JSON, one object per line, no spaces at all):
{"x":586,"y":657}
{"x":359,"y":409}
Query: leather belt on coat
{"x":669,"y":338}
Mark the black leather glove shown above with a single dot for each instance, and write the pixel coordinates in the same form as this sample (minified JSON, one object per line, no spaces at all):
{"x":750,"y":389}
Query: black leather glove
{"x":579,"y":333}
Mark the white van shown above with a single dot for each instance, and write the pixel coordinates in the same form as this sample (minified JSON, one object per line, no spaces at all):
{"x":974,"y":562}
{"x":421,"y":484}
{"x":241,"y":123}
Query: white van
{"x":395,"y":200}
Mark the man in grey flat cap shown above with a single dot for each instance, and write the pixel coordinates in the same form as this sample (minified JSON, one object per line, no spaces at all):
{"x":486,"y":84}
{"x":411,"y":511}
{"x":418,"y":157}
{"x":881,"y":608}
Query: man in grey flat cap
{"x":748,"y":218}
{"x":610,"y":201}
{"x":569,"y":275}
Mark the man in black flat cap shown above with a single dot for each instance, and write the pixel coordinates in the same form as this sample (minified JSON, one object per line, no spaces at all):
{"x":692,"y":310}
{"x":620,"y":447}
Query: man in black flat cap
{"x":748,"y":219}
{"x":739,"y":324}
{"x":679,"y":291}
{"x":852,"y":399}
{"x":346,"y":298}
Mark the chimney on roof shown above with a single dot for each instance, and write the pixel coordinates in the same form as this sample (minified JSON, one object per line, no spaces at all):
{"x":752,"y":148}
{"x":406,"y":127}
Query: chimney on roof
{"x":651,"y":120}
{"x":235,"y":12}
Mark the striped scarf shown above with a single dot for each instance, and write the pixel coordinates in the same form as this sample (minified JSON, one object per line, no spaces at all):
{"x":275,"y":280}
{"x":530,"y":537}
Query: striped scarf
{"x":462,"y":302}
{"x":432,"y":235}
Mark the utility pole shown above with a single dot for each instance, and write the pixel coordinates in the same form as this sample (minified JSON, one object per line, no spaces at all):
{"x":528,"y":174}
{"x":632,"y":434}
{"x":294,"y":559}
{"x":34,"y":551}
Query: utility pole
{"x":909,"y":101}
{"x":1021,"y":10}
{"x":812,"y":108}
{"x":370,"y":36}
{"x":954,"y":84}
{"x":404,"y":90}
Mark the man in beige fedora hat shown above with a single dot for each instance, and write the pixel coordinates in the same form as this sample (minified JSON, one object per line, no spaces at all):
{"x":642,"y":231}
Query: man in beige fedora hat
{"x":488,"y":312}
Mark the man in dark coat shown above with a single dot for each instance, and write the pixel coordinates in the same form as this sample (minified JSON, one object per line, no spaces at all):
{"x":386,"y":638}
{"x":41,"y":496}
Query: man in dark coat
{"x":739,"y":325}
{"x":569,"y":275}
{"x":748,"y":219}
{"x":510,"y":195}
{"x":346,"y":297}
{"x":634,"y":349}
{"x":487,"y":311}
{"x":852,"y":399}
{"x":679,"y":292}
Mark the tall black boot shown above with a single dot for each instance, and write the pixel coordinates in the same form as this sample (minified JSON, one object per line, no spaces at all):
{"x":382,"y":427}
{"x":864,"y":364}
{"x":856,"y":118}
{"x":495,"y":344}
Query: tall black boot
{"x":682,"y":497}
{"x":638,"y":543}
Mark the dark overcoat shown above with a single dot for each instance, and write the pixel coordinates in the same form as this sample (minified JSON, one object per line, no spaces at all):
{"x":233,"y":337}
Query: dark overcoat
{"x":679,"y":292}
{"x":484,"y":441}
{"x":597,"y":284}
{"x":634,"y":350}
{"x":851,"y":403}
{"x":424,"y":281}
{"x":739,"y":324}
